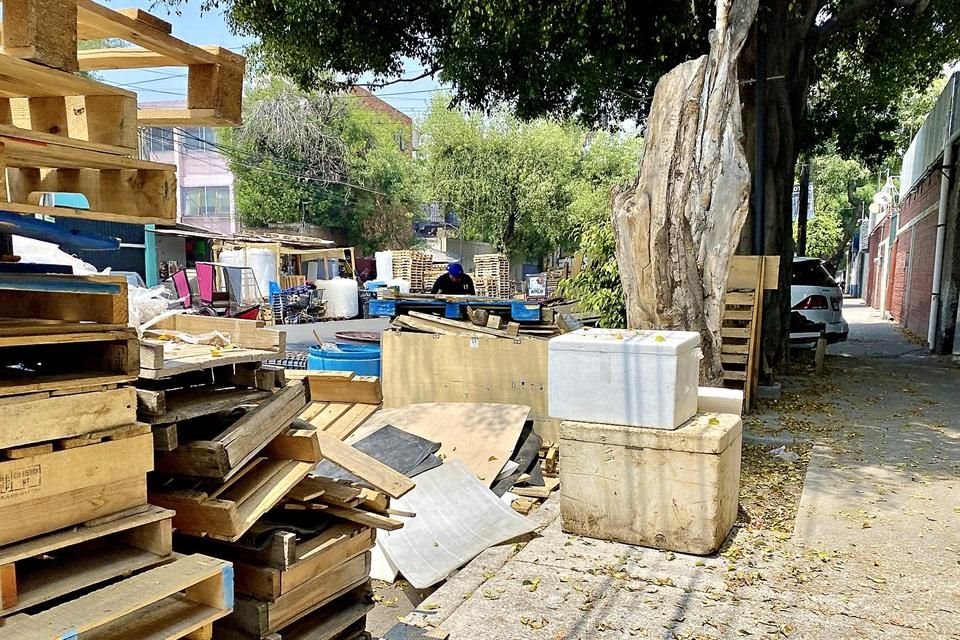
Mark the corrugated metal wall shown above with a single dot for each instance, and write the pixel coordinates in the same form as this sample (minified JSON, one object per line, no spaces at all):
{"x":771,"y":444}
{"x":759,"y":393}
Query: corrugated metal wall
{"x":927,"y":145}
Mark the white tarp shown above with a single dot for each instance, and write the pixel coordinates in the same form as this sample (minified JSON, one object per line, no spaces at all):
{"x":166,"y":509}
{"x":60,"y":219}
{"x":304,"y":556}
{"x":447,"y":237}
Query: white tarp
{"x":457,"y":518}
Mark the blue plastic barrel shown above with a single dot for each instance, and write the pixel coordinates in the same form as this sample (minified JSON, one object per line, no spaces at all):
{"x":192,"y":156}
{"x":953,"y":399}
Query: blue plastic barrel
{"x":362,"y":359}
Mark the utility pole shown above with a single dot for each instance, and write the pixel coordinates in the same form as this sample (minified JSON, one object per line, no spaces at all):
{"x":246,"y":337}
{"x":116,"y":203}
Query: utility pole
{"x":802,"y":205}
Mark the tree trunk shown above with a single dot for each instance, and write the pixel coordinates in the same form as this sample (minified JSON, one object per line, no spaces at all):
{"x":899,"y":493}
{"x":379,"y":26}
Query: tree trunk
{"x":790,"y":38}
{"x":803,"y":203}
{"x":677,"y":228}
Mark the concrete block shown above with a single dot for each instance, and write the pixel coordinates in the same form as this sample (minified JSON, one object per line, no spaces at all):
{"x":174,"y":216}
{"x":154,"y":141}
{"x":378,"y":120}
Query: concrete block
{"x":673,"y":490}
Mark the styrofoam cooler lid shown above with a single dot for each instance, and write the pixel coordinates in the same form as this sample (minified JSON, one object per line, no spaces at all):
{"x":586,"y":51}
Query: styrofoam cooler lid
{"x":654,"y":342}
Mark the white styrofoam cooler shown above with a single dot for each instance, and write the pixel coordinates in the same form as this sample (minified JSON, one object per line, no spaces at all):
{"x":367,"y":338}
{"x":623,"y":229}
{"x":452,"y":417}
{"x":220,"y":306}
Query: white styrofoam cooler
{"x":631,"y":378}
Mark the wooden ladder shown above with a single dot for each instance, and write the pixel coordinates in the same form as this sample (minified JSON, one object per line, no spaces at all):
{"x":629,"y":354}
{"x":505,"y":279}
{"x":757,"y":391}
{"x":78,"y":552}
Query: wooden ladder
{"x":740,"y":330}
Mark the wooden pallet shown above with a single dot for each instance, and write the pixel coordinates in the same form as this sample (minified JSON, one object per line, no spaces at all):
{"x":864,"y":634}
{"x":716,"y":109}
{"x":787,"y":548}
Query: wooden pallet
{"x":178,"y":600}
{"x":46,"y":32}
{"x":222,"y":456}
{"x":111,"y":183}
{"x":226,"y":510}
{"x":57,"y":485}
{"x":492,"y":275}
{"x":740,"y":330}
{"x":36,"y":304}
{"x":67,"y":360}
{"x":57,"y":564}
{"x":337,"y":620}
{"x":46,"y":416}
{"x":261,"y":618}
{"x":249,"y":342}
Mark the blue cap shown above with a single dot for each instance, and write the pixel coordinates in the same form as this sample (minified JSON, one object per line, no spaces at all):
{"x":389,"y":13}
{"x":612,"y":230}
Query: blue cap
{"x":455,"y":269}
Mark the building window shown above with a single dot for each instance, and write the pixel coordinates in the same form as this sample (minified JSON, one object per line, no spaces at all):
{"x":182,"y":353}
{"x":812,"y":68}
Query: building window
{"x":206,"y":201}
{"x":199,"y":139}
{"x":156,"y":140}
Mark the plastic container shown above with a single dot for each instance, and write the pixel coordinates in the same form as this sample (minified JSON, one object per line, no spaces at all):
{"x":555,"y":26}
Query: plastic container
{"x":373,"y":285}
{"x":631,"y":378}
{"x":262,"y":261}
{"x":362,"y":359}
{"x":399,"y":283}
{"x":384,"y":260}
{"x":341,"y":296}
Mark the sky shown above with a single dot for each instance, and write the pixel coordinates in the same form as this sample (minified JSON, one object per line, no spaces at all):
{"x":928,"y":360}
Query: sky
{"x":210,"y":28}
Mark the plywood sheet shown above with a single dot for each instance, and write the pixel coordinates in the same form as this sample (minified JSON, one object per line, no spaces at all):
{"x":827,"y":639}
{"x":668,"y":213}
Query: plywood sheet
{"x":481,"y":435}
{"x":457,"y":518}
{"x":419,"y":367}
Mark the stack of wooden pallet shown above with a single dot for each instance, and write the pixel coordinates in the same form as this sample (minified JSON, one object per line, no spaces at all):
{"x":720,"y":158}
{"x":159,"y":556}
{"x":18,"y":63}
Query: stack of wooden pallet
{"x":242,"y":492}
{"x":412,"y":266}
{"x":73,"y":476}
{"x":62,"y":132}
{"x":492,"y":275}
{"x":554,"y":278}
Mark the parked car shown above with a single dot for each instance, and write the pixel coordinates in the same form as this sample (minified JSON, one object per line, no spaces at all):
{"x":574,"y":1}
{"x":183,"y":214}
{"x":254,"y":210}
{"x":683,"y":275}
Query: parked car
{"x":816,"y":299}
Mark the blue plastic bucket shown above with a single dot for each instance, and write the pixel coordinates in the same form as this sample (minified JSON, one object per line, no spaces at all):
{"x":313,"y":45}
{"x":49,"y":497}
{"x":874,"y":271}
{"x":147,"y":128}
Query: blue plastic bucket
{"x":362,"y":359}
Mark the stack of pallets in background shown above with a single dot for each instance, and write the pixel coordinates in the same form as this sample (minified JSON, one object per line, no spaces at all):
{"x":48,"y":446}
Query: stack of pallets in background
{"x":412,"y":266}
{"x":492,"y":275}
{"x":241,"y":489}
{"x":73,"y":476}
{"x":430,"y":276}
{"x":554,"y":278}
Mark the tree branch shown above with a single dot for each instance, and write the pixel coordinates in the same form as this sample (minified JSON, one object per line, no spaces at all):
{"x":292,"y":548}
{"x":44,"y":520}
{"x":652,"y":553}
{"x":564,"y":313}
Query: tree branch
{"x":379,"y":85}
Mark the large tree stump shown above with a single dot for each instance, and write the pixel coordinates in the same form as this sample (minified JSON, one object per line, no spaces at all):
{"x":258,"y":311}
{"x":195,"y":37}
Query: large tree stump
{"x":678,"y":226}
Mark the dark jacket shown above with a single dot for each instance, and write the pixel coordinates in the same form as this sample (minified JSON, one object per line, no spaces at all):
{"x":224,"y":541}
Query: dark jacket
{"x":446,"y":285}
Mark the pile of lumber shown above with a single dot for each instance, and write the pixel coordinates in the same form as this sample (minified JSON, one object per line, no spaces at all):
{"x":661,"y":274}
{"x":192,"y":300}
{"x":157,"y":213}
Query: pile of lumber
{"x":492,"y":275}
{"x":412,"y":266}
{"x":81,"y":550}
{"x":63,"y":132}
{"x":240,"y":484}
{"x":485,"y":325}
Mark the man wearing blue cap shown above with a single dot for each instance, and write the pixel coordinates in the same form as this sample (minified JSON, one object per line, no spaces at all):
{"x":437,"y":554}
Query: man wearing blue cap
{"x":454,"y":282}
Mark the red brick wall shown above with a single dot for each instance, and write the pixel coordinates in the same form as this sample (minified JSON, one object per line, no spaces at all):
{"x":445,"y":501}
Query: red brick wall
{"x":916,"y":313}
{"x":923,"y":196}
{"x":898,"y":274}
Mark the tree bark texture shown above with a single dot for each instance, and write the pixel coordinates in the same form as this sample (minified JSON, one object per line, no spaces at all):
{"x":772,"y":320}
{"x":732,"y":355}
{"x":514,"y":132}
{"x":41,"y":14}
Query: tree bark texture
{"x":678,"y":226}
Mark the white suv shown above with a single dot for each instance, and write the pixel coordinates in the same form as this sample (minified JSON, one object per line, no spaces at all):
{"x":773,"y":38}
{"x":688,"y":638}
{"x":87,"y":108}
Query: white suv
{"x":817,"y":299}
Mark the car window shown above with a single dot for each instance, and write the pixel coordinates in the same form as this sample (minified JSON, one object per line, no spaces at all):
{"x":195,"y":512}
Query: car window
{"x":812,"y":273}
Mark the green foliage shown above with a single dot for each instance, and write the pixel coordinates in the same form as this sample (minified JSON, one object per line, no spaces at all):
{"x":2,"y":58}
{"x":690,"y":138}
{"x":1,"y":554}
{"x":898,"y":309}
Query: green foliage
{"x":839,"y":187}
{"x":598,"y":60}
{"x":530,"y":188}
{"x":323,"y":159}
{"x":867,"y":64}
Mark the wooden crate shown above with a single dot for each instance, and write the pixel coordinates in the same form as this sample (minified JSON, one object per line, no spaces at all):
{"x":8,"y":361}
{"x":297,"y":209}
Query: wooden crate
{"x":337,"y":620}
{"x":261,"y":618}
{"x":43,"y":489}
{"x":42,"y":569}
{"x":67,"y":361}
{"x":224,"y":455}
{"x":328,"y":550}
{"x":178,"y":600}
{"x":228,"y":510}
{"x":249,"y":342}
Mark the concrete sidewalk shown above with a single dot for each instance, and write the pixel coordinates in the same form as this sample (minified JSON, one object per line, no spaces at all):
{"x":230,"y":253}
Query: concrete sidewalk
{"x":875,"y":552}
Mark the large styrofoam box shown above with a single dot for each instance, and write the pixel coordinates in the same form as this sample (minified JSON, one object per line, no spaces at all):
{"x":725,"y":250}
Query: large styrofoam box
{"x":675,"y":490}
{"x":632,"y":378}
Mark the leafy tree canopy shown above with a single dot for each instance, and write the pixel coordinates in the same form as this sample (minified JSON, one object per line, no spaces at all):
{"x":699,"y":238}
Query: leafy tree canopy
{"x":599,"y":59}
{"x":324,"y":159}
{"x":526,"y":187}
